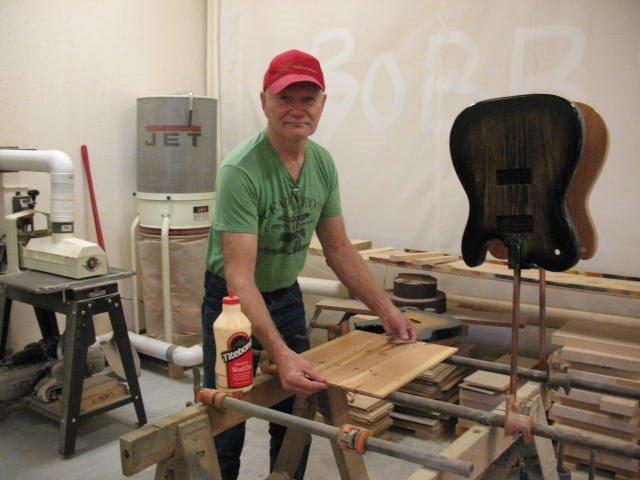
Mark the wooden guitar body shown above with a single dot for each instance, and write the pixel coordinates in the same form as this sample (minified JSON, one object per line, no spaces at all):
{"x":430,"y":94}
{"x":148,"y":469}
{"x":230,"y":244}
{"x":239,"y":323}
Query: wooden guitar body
{"x":515,"y":157}
{"x":590,"y":163}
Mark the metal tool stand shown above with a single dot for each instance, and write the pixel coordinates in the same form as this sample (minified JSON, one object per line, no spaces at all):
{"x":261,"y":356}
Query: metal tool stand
{"x":79,"y":300}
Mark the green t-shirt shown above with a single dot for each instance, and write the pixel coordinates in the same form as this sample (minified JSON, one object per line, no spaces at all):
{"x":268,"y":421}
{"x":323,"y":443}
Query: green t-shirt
{"x":255,"y":193}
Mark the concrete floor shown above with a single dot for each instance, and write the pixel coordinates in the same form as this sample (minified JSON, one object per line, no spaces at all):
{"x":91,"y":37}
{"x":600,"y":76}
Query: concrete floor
{"x":29,"y":442}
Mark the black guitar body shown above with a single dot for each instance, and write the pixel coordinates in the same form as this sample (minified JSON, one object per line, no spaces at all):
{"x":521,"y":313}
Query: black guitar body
{"x":515,"y":157}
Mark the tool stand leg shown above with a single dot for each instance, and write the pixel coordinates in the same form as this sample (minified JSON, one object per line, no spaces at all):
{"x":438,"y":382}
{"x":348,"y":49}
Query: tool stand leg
{"x":121,"y":337}
{"x":333,"y":406}
{"x":47,"y":322}
{"x":5,"y":316}
{"x":294,"y":443}
{"x":75,"y":357}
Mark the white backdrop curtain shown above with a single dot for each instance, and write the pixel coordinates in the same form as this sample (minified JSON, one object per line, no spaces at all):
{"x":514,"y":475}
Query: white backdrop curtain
{"x":397,"y":74}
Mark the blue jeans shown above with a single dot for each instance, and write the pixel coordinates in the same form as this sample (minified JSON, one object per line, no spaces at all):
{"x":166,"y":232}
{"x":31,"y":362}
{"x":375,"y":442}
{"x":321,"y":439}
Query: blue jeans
{"x":287,"y":311}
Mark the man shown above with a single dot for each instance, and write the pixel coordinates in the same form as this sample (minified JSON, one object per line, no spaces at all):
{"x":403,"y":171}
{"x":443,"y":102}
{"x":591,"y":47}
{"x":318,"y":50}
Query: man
{"x":273,"y":191}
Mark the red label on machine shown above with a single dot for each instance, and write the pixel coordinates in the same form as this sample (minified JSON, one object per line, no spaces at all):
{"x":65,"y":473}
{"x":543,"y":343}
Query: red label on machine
{"x":239,"y":360}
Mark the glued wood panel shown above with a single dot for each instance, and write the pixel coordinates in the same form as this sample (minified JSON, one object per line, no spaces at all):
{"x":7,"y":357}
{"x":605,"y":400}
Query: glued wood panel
{"x":371,"y":364}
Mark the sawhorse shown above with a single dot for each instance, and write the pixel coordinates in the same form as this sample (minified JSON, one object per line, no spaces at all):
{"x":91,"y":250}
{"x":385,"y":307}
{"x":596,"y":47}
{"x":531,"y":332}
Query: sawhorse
{"x":78,"y":300}
{"x":182,"y":444}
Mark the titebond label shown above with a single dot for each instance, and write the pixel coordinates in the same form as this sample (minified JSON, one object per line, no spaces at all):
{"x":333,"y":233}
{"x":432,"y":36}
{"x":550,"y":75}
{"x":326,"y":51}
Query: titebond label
{"x":239,"y":360}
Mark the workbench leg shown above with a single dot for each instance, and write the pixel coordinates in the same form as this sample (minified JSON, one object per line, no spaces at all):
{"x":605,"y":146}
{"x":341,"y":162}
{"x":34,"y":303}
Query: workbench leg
{"x":47,"y":322}
{"x":295,"y":441}
{"x":333,"y":406}
{"x":195,"y":446}
{"x":75,"y":360}
{"x":544,"y":447}
{"x":121,"y":337}
{"x":312,"y":322}
{"x":5,"y":317}
{"x":195,"y":457}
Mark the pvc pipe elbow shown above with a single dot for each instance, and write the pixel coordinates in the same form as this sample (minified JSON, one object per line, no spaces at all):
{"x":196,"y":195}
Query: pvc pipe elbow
{"x":187,"y":357}
{"x":59,"y":162}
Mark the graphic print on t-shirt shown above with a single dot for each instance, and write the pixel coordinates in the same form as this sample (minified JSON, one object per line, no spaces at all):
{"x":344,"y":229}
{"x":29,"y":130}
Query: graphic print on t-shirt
{"x":285,"y":224}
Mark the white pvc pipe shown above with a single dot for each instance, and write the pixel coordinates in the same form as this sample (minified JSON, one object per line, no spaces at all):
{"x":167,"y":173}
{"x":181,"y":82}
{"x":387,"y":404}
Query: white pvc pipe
{"x":166,"y":279}
{"x":181,"y":356}
{"x":189,"y":357}
{"x":55,"y":162}
{"x":134,"y":266}
{"x":325,"y":288}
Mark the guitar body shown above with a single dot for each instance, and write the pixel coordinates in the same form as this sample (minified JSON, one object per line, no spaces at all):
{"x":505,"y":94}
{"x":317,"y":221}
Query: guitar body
{"x":594,"y":153}
{"x":515,"y":157}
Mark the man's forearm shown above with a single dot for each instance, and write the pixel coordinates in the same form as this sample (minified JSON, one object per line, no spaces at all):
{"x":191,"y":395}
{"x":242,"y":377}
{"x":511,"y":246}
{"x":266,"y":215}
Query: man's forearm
{"x":348,"y":265}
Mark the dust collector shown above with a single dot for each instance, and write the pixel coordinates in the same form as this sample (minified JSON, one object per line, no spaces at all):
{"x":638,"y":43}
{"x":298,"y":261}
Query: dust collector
{"x":176,"y":173}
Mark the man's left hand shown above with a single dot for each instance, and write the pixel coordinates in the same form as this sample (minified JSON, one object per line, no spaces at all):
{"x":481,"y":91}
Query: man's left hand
{"x":395,"y":323}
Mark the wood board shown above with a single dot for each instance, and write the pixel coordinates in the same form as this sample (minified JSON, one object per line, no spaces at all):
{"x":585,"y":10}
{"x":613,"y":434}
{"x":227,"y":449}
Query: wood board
{"x":369,"y":363}
{"x":595,"y":282}
{"x":599,"y":337}
{"x":605,"y":403}
{"x":622,"y":424}
{"x":609,"y":360}
{"x":315,"y":247}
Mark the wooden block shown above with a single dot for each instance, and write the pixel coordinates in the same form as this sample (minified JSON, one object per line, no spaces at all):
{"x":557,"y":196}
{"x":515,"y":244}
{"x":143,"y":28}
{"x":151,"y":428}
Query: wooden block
{"x":622,"y":424}
{"x":370,"y":251}
{"x":97,"y":384}
{"x":436,"y":260}
{"x":599,"y":401}
{"x":346,"y":305}
{"x":608,"y":379}
{"x":176,"y":372}
{"x":631,"y":437}
{"x":524,"y":362}
{"x":408,"y":256}
{"x":610,"y":360}
{"x":601,"y":338}
{"x":619,"y":405}
{"x":103,"y":398}
{"x":488,"y":380}
{"x":368,"y":363}
{"x":315,"y":247}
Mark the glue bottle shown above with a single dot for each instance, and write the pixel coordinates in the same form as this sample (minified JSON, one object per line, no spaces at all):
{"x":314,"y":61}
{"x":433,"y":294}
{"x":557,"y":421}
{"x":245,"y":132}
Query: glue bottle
{"x":234,"y":350}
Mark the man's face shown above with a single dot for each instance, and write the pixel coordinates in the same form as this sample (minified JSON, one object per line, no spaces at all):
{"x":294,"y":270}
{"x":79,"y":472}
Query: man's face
{"x":294,"y":113}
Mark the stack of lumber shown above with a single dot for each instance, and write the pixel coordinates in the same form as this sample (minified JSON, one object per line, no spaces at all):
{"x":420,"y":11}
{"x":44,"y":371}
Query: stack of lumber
{"x":486,"y":390}
{"x":439,"y":383}
{"x":368,"y":412}
{"x":600,"y":353}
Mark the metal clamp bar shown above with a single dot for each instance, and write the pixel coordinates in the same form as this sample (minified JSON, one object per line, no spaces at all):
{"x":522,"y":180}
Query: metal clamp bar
{"x":572,"y":435}
{"x":557,"y":380}
{"x":438,"y":462}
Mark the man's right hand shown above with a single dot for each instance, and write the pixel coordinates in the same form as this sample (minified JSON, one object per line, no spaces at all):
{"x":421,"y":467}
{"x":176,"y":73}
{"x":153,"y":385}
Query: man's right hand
{"x":298,"y":376}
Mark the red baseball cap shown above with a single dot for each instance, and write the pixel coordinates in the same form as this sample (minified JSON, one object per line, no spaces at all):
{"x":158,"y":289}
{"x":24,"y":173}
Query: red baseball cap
{"x":292,"y":66}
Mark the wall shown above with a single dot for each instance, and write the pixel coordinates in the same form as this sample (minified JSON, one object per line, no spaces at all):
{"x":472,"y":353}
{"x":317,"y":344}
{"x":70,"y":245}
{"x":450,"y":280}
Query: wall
{"x":70,"y":75}
{"x":398,"y":73}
